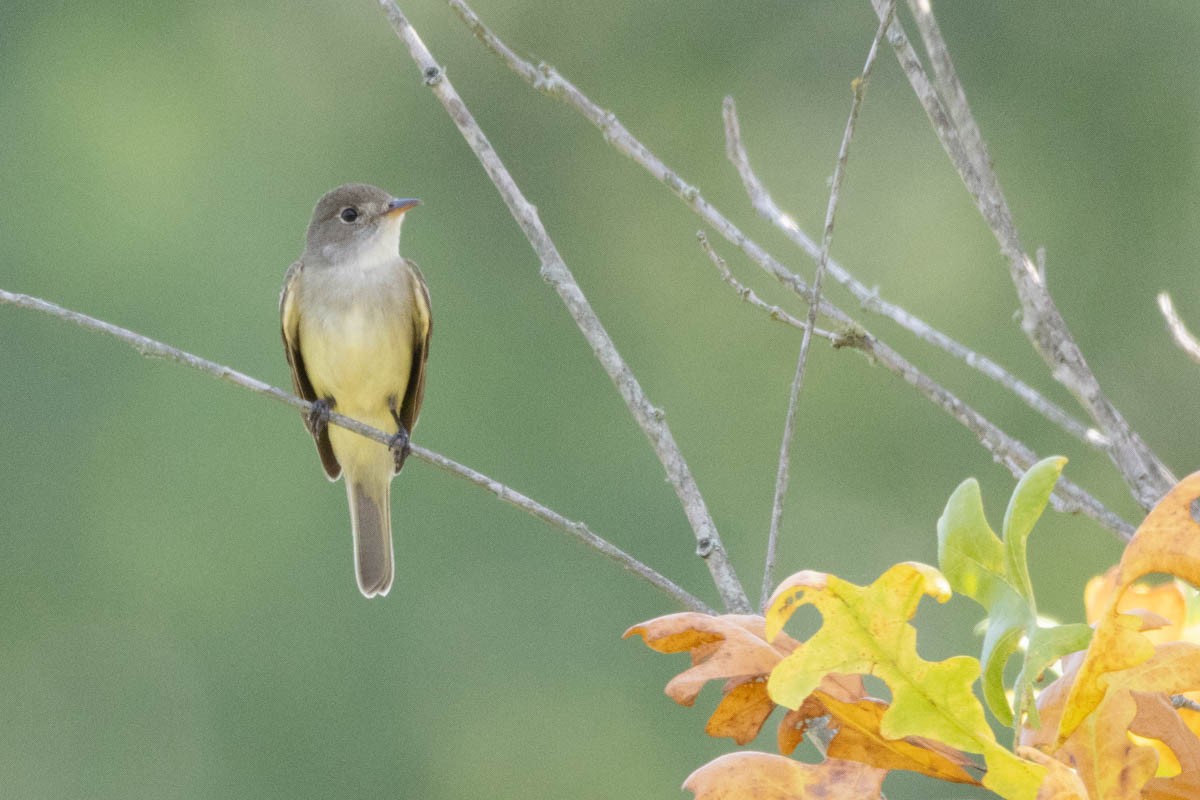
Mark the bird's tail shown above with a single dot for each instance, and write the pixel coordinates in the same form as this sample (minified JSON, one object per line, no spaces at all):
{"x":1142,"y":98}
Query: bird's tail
{"x":371,"y":522}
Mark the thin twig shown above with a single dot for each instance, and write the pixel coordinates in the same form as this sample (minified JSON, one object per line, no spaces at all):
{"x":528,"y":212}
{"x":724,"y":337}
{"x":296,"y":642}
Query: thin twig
{"x":747,"y":294}
{"x":789,"y":427}
{"x":152,"y":348}
{"x":1179,"y":332}
{"x":870,"y":300}
{"x":945,"y":103}
{"x":554,"y":271}
{"x":1068,"y":498}
{"x":1015,"y":456}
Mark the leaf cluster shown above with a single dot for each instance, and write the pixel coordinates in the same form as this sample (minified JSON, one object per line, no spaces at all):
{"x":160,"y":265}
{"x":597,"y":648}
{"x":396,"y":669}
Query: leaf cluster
{"x":1114,"y":723}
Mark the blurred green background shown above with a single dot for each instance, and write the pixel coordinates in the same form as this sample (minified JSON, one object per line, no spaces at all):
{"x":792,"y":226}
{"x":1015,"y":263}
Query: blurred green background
{"x":180,"y":618}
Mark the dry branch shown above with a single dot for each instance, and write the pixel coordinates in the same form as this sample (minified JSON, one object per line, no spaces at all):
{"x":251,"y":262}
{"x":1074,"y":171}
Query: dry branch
{"x":1012,"y":454}
{"x":945,"y":104}
{"x":152,"y":348}
{"x":555,"y":272}
{"x":789,"y":428}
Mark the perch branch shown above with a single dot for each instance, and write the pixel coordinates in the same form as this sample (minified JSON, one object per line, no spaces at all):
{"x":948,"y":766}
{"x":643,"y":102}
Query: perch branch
{"x":152,"y":348}
{"x":1015,"y":456}
{"x":554,"y":271}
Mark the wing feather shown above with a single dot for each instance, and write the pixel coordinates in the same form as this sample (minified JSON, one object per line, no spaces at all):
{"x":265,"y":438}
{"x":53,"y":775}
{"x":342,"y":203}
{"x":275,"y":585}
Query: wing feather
{"x":289,"y":315}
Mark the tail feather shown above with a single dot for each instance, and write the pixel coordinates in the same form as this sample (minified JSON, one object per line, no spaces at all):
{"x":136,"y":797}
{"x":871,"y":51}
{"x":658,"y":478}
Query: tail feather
{"x":370,"y":520}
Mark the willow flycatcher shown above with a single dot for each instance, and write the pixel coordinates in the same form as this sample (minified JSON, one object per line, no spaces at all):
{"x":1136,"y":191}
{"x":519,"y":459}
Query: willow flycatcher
{"x":356,"y":327}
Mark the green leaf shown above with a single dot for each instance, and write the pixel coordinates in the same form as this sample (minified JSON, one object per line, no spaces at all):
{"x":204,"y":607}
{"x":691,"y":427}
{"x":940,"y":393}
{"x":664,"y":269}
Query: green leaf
{"x":866,"y":630}
{"x":995,"y":574}
{"x":1006,"y":625}
{"x":1046,"y":645}
{"x":1025,"y":508}
{"x":970,"y":555}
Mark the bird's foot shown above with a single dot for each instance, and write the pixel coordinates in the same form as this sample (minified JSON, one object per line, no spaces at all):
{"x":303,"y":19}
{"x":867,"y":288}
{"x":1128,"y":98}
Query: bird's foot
{"x":400,"y":448}
{"x":318,"y":417}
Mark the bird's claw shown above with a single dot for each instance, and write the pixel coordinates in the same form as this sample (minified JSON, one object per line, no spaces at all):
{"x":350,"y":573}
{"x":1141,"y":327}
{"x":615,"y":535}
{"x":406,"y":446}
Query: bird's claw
{"x":399,"y":445}
{"x":318,"y":416}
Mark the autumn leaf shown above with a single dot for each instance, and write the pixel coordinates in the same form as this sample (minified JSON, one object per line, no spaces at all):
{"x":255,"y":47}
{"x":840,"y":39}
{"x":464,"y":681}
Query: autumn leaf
{"x":1167,"y":600}
{"x":1164,"y":763}
{"x":865,"y":630}
{"x":1061,"y":783}
{"x":994,"y":573}
{"x":1159,"y":726}
{"x":1111,"y":765}
{"x":732,"y":648}
{"x":1168,"y":541}
{"x":764,"y":776}
{"x":858,"y":738}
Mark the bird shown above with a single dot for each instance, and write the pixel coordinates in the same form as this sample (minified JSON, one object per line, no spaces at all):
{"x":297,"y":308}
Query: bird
{"x":356,"y":323}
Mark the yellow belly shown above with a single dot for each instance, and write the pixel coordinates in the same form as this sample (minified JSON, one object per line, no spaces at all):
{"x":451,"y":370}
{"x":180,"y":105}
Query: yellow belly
{"x":361,"y":358}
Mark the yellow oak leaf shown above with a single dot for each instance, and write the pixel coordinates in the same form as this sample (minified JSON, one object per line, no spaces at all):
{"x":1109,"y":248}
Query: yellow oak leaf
{"x":866,"y":630}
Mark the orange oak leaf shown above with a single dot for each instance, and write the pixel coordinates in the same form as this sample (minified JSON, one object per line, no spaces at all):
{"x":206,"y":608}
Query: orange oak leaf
{"x":1165,"y":600}
{"x":1061,"y":783}
{"x":732,"y":648}
{"x":1157,"y":721}
{"x":1051,"y":701}
{"x":858,"y":739}
{"x":847,"y":688}
{"x":1136,"y":701}
{"x":742,"y":712}
{"x":1111,"y":765}
{"x":764,"y":776}
{"x":1167,"y":541}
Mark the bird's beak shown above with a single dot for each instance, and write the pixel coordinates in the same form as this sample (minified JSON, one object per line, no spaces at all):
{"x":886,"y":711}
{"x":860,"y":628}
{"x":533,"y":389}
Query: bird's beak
{"x":398,"y":205}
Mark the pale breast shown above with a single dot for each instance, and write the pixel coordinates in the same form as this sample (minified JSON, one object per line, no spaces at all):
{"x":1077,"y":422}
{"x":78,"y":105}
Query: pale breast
{"x":356,"y":336}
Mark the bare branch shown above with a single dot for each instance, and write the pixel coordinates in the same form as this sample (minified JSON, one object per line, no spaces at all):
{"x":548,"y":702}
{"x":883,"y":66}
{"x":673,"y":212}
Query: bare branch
{"x":1015,"y":456}
{"x":747,"y":294}
{"x":555,"y":272}
{"x":870,"y":300}
{"x":946,"y":106}
{"x":1068,"y":497}
{"x":789,"y":427}
{"x":1179,"y":332}
{"x":152,"y":348}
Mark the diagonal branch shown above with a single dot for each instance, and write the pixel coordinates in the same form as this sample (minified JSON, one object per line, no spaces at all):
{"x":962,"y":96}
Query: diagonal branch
{"x":945,"y":104}
{"x":1014,"y":455}
{"x":789,"y":427}
{"x":555,"y":272}
{"x":152,"y":348}
{"x":870,"y":300}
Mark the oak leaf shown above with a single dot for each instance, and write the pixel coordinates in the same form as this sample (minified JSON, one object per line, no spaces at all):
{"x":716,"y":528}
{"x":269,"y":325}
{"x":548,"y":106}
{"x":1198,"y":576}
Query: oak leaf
{"x":1061,"y":783}
{"x":732,"y":648}
{"x":1168,"y":541}
{"x":764,"y":776}
{"x":994,"y":572}
{"x":865,"y":630}
{"x":1166,"y":600}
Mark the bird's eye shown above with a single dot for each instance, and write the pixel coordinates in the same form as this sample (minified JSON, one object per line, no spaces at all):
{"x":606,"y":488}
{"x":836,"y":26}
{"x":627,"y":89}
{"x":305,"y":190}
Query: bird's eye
{"x":348,"y":214}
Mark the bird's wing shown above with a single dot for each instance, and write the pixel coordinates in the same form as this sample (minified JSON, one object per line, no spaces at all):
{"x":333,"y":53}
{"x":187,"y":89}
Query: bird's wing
{"x":289,"y":315}
{"x":422,"y":318}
